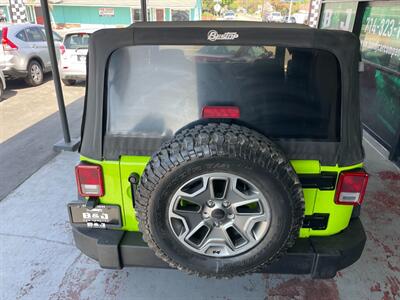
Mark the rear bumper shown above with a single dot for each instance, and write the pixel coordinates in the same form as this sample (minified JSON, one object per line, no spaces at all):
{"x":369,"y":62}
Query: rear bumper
{"x":14,"y":73}
{"x":72,"y":71}
{"x":73,"y":76}
{"x":321,"y":257}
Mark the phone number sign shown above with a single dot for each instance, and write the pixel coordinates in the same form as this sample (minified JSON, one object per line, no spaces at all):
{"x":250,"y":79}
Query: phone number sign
{"x":380,"y":35}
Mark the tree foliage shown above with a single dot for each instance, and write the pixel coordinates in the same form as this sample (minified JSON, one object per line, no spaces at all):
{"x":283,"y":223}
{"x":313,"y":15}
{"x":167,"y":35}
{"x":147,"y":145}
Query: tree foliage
{"x":252,"y":5}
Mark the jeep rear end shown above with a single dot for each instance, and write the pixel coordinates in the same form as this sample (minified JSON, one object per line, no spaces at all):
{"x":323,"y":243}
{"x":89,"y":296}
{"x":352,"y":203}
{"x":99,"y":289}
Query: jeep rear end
{"x":181,"y":109}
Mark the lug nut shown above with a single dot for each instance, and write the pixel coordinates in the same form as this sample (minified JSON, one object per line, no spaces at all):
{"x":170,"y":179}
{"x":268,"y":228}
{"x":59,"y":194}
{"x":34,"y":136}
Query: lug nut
{"x":226,"y":203}
{"x":210,"y":203}
{"x":231,"y":216}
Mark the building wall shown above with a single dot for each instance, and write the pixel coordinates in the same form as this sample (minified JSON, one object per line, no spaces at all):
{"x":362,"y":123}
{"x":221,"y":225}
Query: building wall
{"x":63,"y":14}
{"x":4,"y":8}
{"x":90,"y":15}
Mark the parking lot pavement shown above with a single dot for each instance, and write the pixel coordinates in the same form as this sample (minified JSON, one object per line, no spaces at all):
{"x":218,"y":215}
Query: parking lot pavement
{"x":30,"y":126}
{"x":39,"y":261}
{"x":24,"y":106}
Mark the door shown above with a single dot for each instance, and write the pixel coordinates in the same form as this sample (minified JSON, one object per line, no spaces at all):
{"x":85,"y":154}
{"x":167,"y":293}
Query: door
{"x":39,"y":15}
{"x":57,"y":43}
{"x":37,"y":42}
{"x":159,"y":14}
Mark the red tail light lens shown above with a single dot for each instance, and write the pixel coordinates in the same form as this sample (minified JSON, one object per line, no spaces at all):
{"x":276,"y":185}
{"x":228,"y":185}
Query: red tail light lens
{"x":221,"y":112}
{"x":89,"y":179}
{"x":62,"y":49}
{"x":6,"y":43}
{"x":351,"y":188}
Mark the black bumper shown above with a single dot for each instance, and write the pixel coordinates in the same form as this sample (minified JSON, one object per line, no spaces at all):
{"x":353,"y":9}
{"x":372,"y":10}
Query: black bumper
{"x":321,"y":257}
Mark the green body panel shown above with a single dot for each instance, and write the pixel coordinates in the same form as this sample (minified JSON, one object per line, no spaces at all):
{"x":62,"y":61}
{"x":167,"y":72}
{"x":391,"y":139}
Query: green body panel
{"x":118,"y":191}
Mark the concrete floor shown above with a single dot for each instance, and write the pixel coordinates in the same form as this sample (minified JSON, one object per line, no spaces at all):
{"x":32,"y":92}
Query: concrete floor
{"x":38,"y":259}
{"x":32,"y":128}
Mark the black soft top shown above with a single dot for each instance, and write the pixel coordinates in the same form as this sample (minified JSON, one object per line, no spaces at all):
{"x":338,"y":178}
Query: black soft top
{"x":344,"y":45}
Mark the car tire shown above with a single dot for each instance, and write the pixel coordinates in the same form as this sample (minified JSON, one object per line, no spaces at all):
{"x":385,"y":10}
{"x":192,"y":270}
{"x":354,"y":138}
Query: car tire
{"x":219,"y":149}
{"x":68,"y":82}
{"x":35,"y":73}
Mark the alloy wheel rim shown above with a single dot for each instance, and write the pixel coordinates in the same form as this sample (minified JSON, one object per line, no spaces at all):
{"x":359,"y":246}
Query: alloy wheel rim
{"x":36,"y":73}
{"x":219,"y":215}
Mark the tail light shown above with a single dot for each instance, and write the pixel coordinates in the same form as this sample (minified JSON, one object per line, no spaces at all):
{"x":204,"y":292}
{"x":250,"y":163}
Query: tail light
{"x":6,"y":43}
{"x":351,"y":187}
{"x":62,"y":49}
{"x":89,"y":179}
{"x":221,"y":112}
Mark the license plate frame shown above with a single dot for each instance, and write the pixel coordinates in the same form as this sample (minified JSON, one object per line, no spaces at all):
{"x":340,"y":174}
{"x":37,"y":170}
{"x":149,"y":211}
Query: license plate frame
{"x":101,"y":216}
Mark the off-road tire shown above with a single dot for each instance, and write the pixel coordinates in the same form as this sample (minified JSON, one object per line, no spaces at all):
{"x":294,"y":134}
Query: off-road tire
{"x":68,"y":82}
{"x":34,"y":79}
{"x":219,"y":148}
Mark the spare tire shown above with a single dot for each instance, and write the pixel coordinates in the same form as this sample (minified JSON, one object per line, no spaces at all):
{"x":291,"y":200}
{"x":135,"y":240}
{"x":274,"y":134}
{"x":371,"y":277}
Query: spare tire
{"x":219,"y":200}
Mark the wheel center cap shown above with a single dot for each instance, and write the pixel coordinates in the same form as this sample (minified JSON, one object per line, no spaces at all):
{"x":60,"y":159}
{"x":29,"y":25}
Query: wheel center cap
{"x":218,"y":214}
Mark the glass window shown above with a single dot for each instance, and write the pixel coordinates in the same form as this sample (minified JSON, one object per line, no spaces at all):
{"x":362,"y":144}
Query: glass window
{"x":77,"y":40}
{"x":136,"y":14}
{"x":22,"y":36}
{"x":283,"y":94}
{"x":380,"y":35}
{"x":338,"y":15}
{"x":56,"y":36}
{"x":34,"y":34}
{"x":180,"y":15}
{"x":380,"y":104}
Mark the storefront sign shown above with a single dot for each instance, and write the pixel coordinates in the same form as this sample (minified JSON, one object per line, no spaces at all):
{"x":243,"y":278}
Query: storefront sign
{"x":380,"y":35}
{"x":338,"y":15}
{"x":106,"y":12}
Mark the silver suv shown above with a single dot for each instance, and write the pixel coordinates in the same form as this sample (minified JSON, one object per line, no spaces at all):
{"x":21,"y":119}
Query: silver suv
{"x":24,"y":52}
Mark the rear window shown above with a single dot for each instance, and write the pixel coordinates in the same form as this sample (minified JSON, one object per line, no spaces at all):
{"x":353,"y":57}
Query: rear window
{"x":284,"y":93}
{"x":76,"y":41}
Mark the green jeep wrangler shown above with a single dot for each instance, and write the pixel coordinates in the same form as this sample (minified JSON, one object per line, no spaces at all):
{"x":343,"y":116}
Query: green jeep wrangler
{"x":221,"y":148}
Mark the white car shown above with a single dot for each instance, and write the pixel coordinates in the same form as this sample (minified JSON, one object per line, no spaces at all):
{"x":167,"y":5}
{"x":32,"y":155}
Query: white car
{"x":73,"y":52}
{"x":275,"y":16}
{"x":229,"y":15}
{"x":2,"y":84}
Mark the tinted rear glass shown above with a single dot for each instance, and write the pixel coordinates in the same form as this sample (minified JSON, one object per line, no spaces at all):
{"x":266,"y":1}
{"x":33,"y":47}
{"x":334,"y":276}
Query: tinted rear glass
{"x":282,"y":92}
{"x":76,"y":40}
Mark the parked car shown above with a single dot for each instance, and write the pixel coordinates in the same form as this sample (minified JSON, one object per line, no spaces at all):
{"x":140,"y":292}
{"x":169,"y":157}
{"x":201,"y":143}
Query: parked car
{"x":2,"y":84}
{"x":275,"y":16}
{"x":292,"y":19}
{"x":24,"y":52}
{"x":73,"y":50}
{"x":221,"y":168}
{"x":229,"y":15}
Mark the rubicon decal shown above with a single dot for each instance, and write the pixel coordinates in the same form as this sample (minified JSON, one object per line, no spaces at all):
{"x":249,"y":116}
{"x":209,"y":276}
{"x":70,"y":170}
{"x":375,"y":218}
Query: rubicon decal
{"x":213,"y":36}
